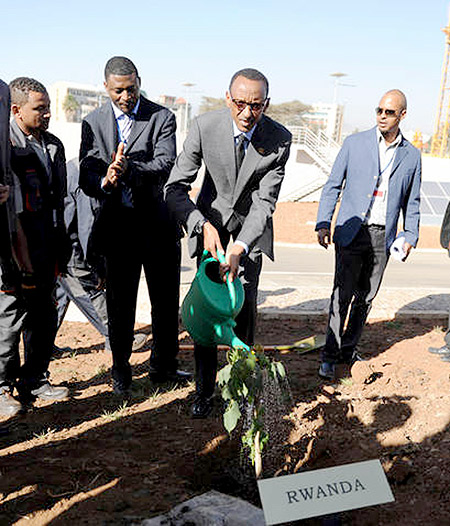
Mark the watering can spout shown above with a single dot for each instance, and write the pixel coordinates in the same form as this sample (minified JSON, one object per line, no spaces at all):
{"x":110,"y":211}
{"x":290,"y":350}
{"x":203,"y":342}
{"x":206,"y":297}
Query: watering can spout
{"x":226,"y":336}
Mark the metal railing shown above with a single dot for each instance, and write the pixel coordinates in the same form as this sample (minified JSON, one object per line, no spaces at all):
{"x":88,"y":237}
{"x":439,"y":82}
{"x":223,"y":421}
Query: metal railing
{"x":321,"y":148}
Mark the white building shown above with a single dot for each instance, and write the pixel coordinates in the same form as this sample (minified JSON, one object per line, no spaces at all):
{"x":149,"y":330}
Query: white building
{"x":327,"y":117}
{"x":71,"y":102}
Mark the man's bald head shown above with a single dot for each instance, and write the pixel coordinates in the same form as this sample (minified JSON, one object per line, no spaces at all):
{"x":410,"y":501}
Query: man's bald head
{"x":391,"y":110}
{"x":398,"y":94}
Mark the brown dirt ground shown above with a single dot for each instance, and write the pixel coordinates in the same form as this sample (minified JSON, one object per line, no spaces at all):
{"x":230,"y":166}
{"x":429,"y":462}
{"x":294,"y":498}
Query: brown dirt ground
{"x":92,"y":460}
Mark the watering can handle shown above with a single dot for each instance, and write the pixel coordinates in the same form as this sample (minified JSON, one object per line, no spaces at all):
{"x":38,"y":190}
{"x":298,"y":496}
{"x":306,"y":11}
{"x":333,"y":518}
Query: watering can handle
{"x":230,"y":285}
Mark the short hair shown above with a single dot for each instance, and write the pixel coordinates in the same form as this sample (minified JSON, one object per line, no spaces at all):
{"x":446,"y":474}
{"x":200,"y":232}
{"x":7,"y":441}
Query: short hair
{"x":20,"y":89}
{"x":120,"y":66}
{"x":250,"y":74}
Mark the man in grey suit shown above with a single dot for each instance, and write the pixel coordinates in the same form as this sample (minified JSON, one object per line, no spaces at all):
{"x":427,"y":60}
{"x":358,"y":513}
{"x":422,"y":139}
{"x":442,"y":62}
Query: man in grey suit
{"x":244,"y":153}
{"x":381,"y":171}
{"x":127,"y":152}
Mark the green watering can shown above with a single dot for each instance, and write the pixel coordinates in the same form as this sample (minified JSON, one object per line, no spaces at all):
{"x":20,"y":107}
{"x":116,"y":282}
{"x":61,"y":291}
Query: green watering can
{"x":210,"y":306}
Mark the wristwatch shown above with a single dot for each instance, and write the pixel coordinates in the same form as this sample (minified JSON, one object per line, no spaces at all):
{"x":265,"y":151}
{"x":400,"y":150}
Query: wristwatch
{"x":198,"y":229}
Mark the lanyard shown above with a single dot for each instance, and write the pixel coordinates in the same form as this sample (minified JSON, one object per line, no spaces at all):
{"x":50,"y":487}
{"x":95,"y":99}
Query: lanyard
{"x":390,"y":161}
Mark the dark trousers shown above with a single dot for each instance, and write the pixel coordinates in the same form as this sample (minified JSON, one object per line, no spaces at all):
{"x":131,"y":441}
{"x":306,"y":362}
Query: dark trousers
{"x":7,"y":265}
{"x":34,"y":313}
{"x":80,"y":285}
{"x":206,"y":357}
{"x":139,"y":242}
{"x":359,"y":269}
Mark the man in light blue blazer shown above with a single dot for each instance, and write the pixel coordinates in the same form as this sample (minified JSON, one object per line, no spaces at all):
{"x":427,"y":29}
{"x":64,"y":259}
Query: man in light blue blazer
{"x":377,"y":175}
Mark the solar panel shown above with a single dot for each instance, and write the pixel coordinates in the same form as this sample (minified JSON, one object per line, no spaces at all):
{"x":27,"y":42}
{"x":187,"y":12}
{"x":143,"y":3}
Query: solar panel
{"x":438,"y":204}
{"x":432,"y":188}
{"x":446,"y":188}
{"x":425,"y":208}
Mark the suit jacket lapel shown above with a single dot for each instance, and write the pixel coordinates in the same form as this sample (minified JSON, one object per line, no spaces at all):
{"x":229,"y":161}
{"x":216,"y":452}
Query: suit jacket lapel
{"x":111,"y":136}
{"x":141,"y":122}
{"x":225,"y":147}
{"x":400,"y":154}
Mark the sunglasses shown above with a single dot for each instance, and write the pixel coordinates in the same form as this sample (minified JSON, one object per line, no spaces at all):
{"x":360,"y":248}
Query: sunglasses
{"x":388,"y":113}
{"x":254,"y":106}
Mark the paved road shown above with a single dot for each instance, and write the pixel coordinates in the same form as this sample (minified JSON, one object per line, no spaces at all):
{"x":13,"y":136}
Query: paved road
{"x":302,"y":267}
{"x":300,"y":282}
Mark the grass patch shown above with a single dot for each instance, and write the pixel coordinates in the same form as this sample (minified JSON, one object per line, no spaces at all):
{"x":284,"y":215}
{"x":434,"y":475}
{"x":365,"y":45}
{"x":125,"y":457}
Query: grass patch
{"x":116,"y":413}
{"x":45,"y":433}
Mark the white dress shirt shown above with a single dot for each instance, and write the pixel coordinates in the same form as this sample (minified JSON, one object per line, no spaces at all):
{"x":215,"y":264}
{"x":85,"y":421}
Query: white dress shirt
{"x":386,"y":152}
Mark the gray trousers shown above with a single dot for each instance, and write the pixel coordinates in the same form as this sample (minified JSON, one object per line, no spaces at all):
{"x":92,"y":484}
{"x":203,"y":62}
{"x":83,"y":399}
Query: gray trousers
{"x":80,"y":285}
{"x":32,"y":312}
{"x":359,"y":269}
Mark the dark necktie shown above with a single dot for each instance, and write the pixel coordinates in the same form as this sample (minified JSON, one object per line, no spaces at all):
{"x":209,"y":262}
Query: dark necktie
{"x":240,"y":151}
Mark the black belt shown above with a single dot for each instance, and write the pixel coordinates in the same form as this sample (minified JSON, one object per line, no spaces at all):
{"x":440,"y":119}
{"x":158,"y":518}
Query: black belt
{"x":375,"y":227}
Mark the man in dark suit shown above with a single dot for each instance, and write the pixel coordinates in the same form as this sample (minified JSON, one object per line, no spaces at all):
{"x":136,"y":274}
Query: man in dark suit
{"x":38,"y":160}
{"x":244,"y":153}
{"x":83,"y":283}
{"x":127,"y":152}
{"x":7,"y":266}
{"x":382,"y":175}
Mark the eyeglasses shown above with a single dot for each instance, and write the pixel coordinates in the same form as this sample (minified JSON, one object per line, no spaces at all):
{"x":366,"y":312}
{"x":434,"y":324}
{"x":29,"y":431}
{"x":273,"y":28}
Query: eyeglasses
{"x":388,"y":113}
{"x":254,"y":106}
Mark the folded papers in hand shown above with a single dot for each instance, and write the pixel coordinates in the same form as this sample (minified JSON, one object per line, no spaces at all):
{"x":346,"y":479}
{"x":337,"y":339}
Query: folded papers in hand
{"x":397,"y":251}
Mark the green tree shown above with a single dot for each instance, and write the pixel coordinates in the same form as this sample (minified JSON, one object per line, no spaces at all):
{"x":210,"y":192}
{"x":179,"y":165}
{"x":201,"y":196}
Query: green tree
{"x":288,"y":113}
{"x":71,"y":107}
{"x":210,"y":104}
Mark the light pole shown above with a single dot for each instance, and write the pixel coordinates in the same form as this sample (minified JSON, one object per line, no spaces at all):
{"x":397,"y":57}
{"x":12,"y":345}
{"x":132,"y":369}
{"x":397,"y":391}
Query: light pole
{"x":337,"y":76}
{"x":187,"y":85}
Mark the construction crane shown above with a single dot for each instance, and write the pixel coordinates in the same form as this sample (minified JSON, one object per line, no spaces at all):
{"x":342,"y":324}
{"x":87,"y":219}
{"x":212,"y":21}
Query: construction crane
{"x":440,"y":140}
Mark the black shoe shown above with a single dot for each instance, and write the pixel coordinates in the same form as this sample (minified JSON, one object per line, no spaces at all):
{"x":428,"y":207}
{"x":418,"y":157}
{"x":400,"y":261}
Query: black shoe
{"x":202,"y":407}
{"x":350,"y":360}
{"x":46,"y":391}
{"x":121,"y":388}
{"x":444,"y":350}
{"x":9,"y":406}
{"x":327,"y":370}
{"x":9,"y":282}
{"x":177,"y":376}
{"x":61,"y":351}
{"x":139,"y":340}
{"x":8,"y":288}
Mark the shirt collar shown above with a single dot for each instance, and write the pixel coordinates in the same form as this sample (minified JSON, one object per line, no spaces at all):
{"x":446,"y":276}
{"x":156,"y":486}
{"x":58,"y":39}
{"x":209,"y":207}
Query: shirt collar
{"x":119,"y":114}
{"x":396,"y":142}
{"x":237,"y":132}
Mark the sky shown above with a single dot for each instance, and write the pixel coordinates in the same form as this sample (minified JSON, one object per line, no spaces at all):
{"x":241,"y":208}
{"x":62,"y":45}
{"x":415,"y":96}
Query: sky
{"x":297,"y":44}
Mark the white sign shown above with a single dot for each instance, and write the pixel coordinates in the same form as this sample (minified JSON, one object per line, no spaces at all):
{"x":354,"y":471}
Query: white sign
{"x":324,"y":491}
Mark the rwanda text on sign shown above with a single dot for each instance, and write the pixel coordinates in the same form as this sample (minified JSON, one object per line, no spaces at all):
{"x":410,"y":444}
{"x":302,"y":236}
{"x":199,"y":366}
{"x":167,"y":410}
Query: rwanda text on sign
{"x":324,"y":491}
